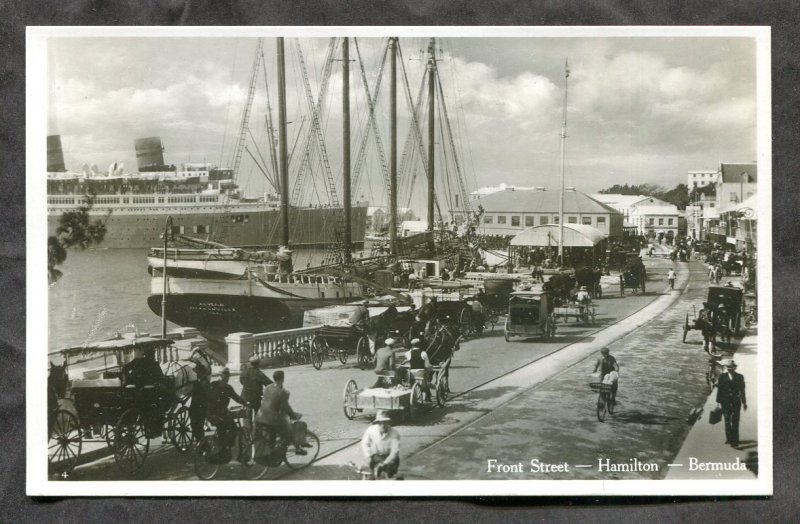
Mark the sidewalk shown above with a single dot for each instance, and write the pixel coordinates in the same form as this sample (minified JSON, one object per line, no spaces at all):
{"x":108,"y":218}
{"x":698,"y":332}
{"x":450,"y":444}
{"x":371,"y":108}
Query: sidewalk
{"x":706,"y":442}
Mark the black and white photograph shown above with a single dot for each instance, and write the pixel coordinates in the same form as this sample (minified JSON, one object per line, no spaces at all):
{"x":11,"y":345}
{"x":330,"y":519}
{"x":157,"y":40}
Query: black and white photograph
{"x":451,"y":261}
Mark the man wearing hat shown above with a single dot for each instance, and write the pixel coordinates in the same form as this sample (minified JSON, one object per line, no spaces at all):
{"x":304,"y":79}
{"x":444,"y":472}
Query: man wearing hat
{"x":253,"y":382}
{"x":731,"y":398}
{"x":220,"y":394}
{"x":418,"y":361}
{"x":381,"y":446}
{"x":360,"y":317}
{"x":582,"y":296}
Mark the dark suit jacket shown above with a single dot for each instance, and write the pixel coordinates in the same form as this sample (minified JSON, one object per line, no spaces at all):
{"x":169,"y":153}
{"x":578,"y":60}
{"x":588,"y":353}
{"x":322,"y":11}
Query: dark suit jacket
{"x":730,"y":390}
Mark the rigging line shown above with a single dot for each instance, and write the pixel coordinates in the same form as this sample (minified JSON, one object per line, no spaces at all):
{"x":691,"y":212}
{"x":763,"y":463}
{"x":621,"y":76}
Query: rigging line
{"x":461,"y":121}
{"x":263,"y":166}
{"x":446,"y":121}
{"x":255,"y":161}
{"x":309,"y":145}
{"x":372,"y":123}
{"x":416,"y":129}
{"x":317,"y":128}
{"x":409,"y":147}
{"x":228,"y":108}
{"x":273,"y":148}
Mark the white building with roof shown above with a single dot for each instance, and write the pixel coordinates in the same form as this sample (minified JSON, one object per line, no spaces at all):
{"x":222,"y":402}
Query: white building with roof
{"x":700,"y":179}
{"x":656,"y":220}
{"x":510,"y":211}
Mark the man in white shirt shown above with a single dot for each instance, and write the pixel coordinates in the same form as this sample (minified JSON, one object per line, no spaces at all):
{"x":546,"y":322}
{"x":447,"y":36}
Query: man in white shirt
{"x":381,"y":446}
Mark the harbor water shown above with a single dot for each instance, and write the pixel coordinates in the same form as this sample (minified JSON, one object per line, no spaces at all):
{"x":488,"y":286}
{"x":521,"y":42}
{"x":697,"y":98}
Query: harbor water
{"x":104,"y":291}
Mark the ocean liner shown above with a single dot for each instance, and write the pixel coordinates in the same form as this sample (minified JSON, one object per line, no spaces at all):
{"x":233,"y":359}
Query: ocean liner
{"x":203,"y":200}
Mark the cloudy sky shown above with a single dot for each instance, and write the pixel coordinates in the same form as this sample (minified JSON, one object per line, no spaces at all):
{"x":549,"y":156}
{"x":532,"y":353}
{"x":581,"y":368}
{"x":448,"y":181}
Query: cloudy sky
{"x":640,"y":110}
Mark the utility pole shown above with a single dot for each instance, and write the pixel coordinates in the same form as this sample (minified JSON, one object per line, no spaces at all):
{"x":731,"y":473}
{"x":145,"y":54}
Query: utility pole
{"x":563,"y":152}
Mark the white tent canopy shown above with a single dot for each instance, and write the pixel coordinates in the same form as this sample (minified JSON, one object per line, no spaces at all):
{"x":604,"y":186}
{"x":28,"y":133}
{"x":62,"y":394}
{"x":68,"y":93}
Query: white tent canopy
{"x":575,"y":235}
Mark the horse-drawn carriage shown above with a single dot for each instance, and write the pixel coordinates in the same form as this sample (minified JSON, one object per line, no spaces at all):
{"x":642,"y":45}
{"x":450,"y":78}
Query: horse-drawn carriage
{"x":88,"y":395}
{"x":723,"y":309}
{"x":337,"y":342}
{"x":633,"y":277}
{"x":530,"y":314}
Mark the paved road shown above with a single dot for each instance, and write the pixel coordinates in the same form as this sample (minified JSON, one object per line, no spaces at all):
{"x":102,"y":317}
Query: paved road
{"x":476,"y":379}
{"x":661,"y":380}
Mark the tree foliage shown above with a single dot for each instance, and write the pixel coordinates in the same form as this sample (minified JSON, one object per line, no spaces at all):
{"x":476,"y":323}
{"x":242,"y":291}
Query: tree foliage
{"x":75,"y":229}
{"x":679,"y":195}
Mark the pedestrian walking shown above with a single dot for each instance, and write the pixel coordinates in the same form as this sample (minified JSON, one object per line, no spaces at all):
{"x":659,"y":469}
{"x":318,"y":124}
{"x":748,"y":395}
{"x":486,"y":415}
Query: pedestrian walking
{"x":731,"y":399}
{"x":671,"y":278}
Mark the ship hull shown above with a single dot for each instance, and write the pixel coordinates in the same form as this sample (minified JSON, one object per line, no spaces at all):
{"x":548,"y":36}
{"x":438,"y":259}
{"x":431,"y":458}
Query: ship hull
{"x":218,"y":307}
{"x":258,"y":228}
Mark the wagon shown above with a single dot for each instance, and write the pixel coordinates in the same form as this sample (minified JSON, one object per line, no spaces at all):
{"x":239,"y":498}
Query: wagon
{"x":402,"y":394}
{"x":633,"y":277}
{"x":338,"y":342}
{"x":127,"y":416}
{"x":530,"y":314}
{"x":726,"y":304}
{"x":584,"y":313}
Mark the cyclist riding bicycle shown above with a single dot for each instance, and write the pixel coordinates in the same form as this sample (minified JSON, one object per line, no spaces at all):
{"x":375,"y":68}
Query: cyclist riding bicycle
{"x":276,"y":413}
{"x":220,"y":394}
{"x":608,"y":364}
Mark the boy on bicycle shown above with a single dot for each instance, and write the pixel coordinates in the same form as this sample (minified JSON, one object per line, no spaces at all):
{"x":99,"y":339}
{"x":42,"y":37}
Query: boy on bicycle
{"x":606,"y":364}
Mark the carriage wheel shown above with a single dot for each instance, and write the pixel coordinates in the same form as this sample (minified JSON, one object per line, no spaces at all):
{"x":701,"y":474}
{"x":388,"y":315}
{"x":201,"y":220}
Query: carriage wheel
{"x":179,"y":429}
{"x":317,"y":352}
{"x":441,"y":391}
{"x":362,"y":352}
{"x":465,"y":321}
{"x":131,"y":443}
{"x":342,"y":353}
{"x":349,"y":400}
{"x":64,"y":446}
{"x":206,"y":463}
{"x":295,"y":461}
{"x":416,"y":400}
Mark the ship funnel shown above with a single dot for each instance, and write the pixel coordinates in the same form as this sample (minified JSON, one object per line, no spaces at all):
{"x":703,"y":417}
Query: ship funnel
{"x":149,"y":154}
{"x":55,"y":155}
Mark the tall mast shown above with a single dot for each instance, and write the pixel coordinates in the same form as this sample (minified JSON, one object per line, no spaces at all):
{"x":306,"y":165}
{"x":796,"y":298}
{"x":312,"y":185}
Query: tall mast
{"x":284,"y":156}
{"x":563,"y":150}
{"x":393,"y":148}
{"x":431,"y":98}
{"x":346,"y":145}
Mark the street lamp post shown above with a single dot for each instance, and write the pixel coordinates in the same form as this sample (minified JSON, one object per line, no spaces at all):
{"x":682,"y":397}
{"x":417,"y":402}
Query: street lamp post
{"x":167,"y":236}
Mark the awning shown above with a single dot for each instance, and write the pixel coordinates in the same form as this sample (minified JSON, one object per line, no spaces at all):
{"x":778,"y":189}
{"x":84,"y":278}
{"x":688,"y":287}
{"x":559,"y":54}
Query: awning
{"x":575,"y":235}
{"x":748,"y":208}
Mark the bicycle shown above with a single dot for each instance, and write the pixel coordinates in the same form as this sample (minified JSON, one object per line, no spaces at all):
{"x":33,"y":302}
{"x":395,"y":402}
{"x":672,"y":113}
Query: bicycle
{"x":369,"y":474}
{"x":605,"y":399}
{"x":210,"y":453}
{"x":270,"y":450}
